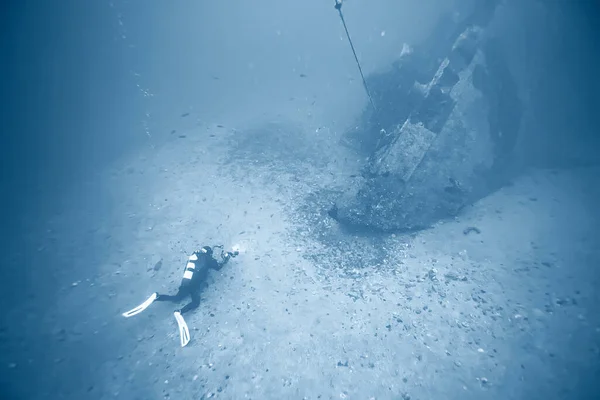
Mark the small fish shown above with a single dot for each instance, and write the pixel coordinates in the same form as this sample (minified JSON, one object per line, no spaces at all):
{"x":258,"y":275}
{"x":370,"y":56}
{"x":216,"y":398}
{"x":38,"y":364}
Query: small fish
{"x":173,"y":131}
{"x":456,"y":187}
{"x":216,"y":78}
{"x":182,"y":136}
{"x":220,"y":126}
{"x":303,"y":76}
{"x":471,"y":229}
{"x":211,"y":135}
{"x":158,"y":265}
{"x":185,"y":114}
{"x":454,"y":182}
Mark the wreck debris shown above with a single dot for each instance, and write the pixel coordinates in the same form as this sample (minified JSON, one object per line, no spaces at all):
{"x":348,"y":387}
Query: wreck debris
{"x":436,"y":142}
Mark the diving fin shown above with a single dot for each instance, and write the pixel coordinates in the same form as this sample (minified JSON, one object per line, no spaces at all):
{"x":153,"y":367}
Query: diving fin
{"x":184,"y":332}
{"x":141,"y":307}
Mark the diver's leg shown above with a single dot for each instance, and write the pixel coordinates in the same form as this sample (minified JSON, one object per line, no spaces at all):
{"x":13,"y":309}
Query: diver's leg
{"x":181,"y":293}
{"x":195,"y":295}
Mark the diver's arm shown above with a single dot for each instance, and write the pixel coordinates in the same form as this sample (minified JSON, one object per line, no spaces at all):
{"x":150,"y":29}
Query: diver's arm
{"x":225,"y":257}
{"x":224,"y":260}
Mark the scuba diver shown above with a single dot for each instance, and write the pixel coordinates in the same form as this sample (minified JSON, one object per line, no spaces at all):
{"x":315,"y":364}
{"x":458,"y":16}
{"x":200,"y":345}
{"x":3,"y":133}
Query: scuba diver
{"x":194,"y":276}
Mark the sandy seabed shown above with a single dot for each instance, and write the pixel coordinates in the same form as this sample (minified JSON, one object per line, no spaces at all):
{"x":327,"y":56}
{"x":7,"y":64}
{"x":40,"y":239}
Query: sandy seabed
{"x":307,"y":311}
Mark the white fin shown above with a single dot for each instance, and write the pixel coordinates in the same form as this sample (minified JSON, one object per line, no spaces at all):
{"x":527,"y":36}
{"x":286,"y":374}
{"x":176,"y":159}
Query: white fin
{"x":184,"y":332}
{"x":141,"y":307}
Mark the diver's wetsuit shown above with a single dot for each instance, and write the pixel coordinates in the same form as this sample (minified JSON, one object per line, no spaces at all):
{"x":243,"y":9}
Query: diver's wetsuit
{"x":194,"y":275}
